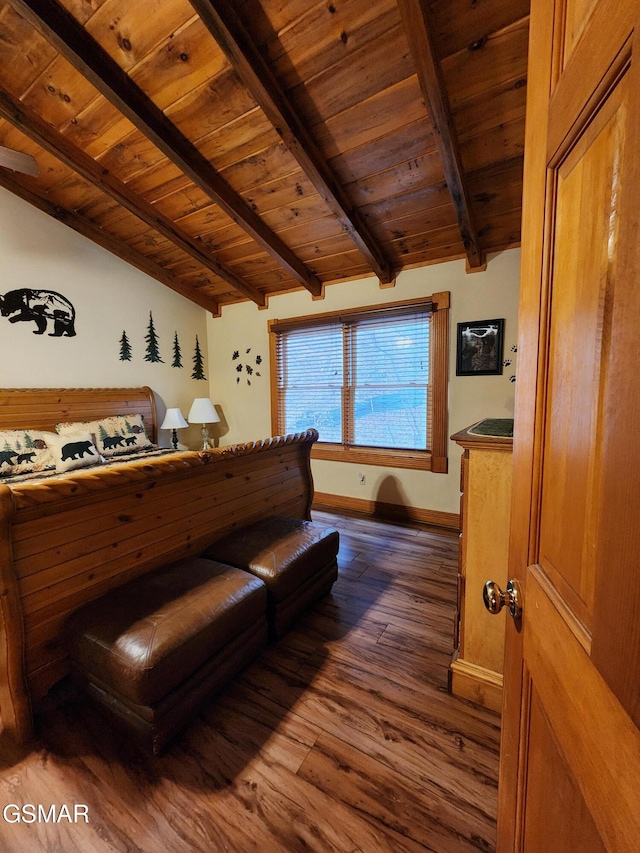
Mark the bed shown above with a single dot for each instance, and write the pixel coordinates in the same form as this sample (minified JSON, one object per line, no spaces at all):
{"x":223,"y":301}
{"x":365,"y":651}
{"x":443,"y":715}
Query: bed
{"x":67,"y":539}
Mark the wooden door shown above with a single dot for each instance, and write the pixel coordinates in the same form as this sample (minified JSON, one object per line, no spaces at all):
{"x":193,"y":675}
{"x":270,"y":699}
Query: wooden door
{"x":570,"y":761}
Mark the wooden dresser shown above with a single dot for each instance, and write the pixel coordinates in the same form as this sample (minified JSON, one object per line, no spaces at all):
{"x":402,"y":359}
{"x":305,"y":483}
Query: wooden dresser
{"x":485,"y":482}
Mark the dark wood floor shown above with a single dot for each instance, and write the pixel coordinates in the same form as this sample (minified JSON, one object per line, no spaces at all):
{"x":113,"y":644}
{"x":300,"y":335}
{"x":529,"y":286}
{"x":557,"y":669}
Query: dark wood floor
{"x":341,"y":737}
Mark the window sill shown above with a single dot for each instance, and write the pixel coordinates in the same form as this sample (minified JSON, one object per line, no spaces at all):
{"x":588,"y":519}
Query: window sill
{"x":421,"y":460}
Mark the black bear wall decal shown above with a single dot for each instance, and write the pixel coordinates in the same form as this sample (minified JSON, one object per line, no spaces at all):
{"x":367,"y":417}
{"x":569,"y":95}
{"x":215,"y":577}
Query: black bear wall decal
{"x":41,"y":306}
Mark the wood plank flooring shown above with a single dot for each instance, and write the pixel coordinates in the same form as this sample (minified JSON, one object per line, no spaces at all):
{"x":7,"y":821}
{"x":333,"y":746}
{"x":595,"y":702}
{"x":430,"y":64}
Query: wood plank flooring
{"x":340,"y":738}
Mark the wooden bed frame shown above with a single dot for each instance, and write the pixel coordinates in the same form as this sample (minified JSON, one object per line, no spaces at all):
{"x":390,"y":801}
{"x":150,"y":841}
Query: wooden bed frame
{"x":67,"y":540}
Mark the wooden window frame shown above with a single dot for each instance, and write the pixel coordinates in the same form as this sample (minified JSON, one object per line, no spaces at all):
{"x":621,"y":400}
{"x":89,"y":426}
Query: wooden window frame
{"x":434,"y":460}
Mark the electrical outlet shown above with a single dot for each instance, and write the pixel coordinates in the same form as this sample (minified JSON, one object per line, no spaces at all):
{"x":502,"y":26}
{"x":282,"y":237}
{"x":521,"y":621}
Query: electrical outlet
{"x":362,"y":478}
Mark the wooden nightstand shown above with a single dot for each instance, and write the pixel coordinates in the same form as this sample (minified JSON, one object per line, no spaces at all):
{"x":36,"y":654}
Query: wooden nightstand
{"x":485,"y":505}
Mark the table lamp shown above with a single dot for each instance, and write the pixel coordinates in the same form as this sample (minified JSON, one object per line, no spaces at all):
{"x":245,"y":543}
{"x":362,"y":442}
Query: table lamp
{"x":174,"y":420}
{"x":203,"y":412}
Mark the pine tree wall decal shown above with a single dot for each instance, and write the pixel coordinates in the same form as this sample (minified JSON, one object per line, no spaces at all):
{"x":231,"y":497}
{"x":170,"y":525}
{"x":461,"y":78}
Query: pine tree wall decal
{"x":198,"y":363}
{"x":153,"y":352}
{"x":177,"y":353}
{"x":125,"y":347}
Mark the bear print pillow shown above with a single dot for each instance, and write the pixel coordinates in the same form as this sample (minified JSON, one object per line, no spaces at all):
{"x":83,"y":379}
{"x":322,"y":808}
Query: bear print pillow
{"x":74,"y":450}
{"x":25,"y":451}
{"x":118,"y":435}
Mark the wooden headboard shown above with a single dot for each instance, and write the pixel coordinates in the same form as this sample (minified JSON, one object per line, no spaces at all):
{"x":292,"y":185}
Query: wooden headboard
{"x":43,"y":408}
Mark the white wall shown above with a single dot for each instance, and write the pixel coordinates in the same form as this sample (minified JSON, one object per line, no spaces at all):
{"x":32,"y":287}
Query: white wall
{"x":38,"y":252}
{"x":479,"y":296}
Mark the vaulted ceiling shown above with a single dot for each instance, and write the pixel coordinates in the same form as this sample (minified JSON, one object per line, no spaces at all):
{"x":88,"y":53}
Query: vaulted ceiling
{"x":234,"y":149}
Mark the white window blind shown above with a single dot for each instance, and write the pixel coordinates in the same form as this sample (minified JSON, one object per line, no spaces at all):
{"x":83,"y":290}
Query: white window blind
{"x":361,"y":381}
{"x":310,"y":379}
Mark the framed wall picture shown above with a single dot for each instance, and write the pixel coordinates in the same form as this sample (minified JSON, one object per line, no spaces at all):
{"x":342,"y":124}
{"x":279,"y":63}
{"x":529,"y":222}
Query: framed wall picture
{"x":479,"y":351}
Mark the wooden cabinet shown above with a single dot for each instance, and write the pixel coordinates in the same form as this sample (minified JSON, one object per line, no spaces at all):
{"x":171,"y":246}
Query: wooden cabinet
{"x":485,"y":483}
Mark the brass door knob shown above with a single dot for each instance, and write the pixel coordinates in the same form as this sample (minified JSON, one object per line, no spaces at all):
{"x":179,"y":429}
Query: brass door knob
{"x":495,"y":599}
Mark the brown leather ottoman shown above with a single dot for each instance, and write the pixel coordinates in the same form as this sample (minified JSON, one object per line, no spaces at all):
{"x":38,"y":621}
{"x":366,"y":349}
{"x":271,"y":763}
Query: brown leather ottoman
{"x":296,"y":559}
{"x":154,"y":650}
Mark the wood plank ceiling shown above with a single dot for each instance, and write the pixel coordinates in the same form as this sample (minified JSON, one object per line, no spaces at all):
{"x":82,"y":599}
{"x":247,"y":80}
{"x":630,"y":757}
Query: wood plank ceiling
{"x":233,"y":149}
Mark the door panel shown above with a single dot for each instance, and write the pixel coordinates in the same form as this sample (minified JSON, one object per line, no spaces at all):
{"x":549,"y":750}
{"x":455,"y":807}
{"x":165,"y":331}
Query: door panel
{"x":570,"y":758}
{"x":616,"y":630}
{"x":597,"y":739}
{"x":576,"y":14}
{"x":557,"y":816}
{"x":584,"y":255}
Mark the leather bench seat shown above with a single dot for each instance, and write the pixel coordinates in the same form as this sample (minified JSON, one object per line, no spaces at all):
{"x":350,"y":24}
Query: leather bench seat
{"x":296,"y":559}
{"x":154,"y":650}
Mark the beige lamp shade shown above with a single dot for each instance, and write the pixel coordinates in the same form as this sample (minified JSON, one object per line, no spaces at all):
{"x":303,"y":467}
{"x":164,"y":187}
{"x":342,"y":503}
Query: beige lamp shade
{"x":174,"y":420}
{"x":203,"y":412}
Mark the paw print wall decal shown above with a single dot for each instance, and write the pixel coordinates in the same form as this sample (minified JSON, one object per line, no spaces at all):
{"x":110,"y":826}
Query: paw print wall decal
{"x":509,"y":362}
{"x":247,"y":367}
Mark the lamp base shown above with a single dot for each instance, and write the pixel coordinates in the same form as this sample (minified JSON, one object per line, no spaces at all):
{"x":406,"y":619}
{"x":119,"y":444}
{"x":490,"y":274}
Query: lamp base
{"x":174,"y":439}
{"x":206,"y":444}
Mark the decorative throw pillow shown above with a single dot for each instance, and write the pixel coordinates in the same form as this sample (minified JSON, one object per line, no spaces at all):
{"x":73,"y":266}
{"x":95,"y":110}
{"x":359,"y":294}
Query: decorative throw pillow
{"x":24,"y":451}
{"x":74,"y":450}
{"x":114,"y":436}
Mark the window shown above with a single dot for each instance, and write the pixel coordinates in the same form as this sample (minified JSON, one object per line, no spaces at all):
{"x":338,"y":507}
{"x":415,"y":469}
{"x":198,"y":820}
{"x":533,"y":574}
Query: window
{"x":372,"y":381}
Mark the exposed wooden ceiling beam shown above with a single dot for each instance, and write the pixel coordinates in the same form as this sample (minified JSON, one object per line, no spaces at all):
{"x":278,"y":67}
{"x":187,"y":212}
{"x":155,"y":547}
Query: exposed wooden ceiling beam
{"x":415,"y":18}
{"x":222,"y":21}
{"x":78,"y":47}
{"x":46,"y":136}
{"x":89,"y":229}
